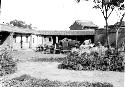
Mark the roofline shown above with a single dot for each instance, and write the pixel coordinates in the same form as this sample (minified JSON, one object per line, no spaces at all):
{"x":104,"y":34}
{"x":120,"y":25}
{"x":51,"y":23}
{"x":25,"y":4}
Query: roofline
{"x":8,"y":28}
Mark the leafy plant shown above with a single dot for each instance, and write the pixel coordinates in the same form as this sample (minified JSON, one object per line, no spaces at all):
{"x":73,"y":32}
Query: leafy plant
{"x":7,"y":64}
{"x":93,"y":61}
{"x":28,"y":81}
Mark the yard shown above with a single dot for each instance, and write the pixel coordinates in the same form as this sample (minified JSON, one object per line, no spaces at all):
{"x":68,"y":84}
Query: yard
{"x":49,"y":70}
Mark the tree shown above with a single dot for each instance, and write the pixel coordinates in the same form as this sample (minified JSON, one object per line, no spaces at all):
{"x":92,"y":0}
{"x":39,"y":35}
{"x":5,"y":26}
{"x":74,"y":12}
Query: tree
{"x":117,"y":30}
{"x":21,"y":24}
{"x":107,"y":7}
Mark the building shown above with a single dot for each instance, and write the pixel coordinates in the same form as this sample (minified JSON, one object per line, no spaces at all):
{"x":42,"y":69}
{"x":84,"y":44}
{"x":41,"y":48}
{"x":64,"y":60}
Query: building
{"x":82,"y":25}
{"x":15,"y":38}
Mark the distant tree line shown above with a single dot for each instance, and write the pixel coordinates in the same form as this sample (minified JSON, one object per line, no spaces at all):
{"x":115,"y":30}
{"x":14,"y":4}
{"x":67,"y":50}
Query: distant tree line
{"x":20,"y":24}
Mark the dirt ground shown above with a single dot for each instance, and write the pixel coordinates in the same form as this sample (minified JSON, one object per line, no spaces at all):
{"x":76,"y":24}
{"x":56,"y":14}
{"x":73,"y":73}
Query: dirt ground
{"x":50,"y":71}
{"x":28,"y":55}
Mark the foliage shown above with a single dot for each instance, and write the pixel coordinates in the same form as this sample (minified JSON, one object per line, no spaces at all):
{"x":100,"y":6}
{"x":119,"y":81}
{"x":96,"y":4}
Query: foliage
{"x":93,"y":61}
{"x":107,"y":7}
{"x":21,"y":24}
{"x":7,"y":64}
{"x":28,"y":81}
{"x":39,"y":48}
{"x":46,"y":49}
{"x":68,"y":44}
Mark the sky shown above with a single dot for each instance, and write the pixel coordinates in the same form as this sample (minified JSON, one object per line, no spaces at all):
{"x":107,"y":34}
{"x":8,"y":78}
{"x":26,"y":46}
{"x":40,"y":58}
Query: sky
{"x":52,"y":14}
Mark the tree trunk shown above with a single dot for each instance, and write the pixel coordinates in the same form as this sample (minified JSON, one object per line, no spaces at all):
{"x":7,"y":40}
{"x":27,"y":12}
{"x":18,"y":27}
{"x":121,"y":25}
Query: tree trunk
{"x":107,"y":36}
{"x":117,"y":31}
{"x":117,"y":39}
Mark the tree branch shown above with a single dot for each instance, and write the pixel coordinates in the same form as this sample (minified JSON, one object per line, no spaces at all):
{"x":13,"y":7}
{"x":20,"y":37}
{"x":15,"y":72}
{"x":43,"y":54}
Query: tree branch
{"x":102,"y":10}
{"x":103,"y":13}
{"x":121,"y":19}
{"x":120,"y":23}
{"x":110,"y":13}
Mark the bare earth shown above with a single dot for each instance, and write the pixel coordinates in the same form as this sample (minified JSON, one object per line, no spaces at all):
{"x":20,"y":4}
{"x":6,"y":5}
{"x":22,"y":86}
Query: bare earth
{"x":50,"y":71}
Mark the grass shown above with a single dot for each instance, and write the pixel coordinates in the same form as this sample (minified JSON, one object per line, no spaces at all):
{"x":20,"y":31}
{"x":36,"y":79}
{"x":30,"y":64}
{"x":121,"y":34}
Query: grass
{"x":28,"y":81}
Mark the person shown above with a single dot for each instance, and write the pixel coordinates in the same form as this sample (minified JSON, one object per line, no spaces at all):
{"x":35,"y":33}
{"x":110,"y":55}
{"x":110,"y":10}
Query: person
{"x":58,"y":48}
{"x":101,"y":49}
{"x":65,"y":44}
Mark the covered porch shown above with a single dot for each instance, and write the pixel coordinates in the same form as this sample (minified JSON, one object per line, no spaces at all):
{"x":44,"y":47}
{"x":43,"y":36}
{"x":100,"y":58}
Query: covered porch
{"x":79,"y":35}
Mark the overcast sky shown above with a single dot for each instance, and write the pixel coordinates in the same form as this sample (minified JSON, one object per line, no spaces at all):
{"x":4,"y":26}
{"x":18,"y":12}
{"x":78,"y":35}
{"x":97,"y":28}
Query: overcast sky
{"x":52,"y":14}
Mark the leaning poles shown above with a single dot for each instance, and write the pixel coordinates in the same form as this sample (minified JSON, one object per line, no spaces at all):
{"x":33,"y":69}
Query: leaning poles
{"x":117,"y":31}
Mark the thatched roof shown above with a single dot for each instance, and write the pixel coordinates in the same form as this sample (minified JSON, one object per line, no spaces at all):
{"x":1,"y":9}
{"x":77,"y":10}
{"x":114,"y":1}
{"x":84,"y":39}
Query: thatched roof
{"x":69,"y":32}
{"x":9,"y":28}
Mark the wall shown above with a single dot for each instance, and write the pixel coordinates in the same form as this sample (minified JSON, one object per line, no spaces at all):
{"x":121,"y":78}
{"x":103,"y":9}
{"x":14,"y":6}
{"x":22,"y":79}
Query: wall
{"x":7,"y":41}
{"x":16,"y":43}
{"x":25,"y":42}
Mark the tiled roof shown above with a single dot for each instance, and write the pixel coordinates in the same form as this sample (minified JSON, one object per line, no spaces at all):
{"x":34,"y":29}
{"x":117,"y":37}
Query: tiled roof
{"x":31,"y":31}
{"x":86,"y":23}
{"x":69,"y":32}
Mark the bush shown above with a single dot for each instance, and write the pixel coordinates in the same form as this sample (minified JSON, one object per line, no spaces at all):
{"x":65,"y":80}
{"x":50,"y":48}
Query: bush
{"x":39,"y":48}
{"x":93,"y":61}
{"x":28,"y":81}
{"x":7,"y":64}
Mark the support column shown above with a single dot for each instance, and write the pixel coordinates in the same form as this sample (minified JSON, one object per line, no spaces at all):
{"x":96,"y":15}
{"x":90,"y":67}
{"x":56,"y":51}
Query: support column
{"x":21,"y":42}
{"x":37,"y":40}
{"x":43,"y":39}
{"x":30,"y":41}
{"x":11,"y":41}
{"x":76,"y":37}
{"x":57,"y":39}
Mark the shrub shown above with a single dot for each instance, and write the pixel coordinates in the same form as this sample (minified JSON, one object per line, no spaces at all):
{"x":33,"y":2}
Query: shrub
{"x":93,"y":61}
{"x":7,"y":64}
{"x":28,"y":81}
{"x":39,"y":48}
